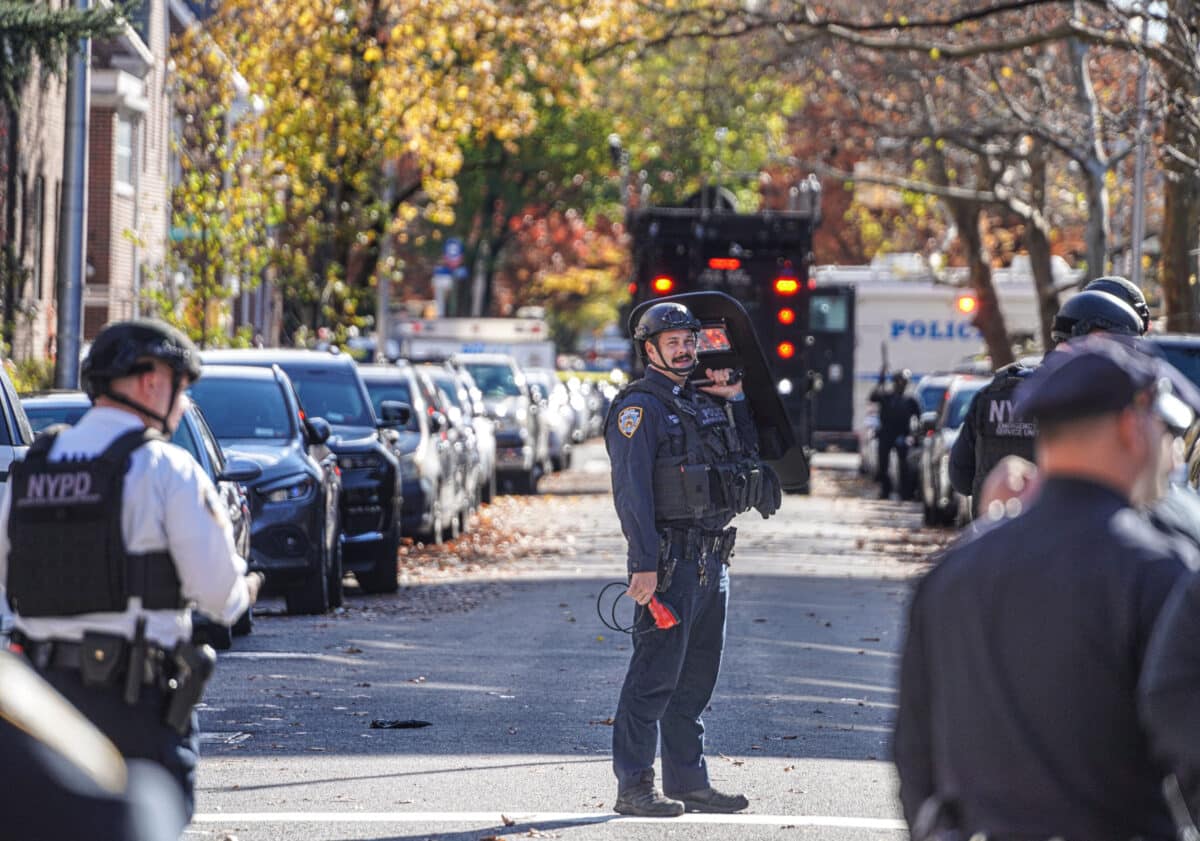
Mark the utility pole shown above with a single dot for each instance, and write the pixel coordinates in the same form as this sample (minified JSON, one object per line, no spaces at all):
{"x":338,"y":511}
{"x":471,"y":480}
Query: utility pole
{"x":73,"y":218}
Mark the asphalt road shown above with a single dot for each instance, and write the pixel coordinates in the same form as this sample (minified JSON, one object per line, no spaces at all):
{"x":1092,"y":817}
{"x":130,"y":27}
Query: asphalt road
{"x":497,"y":645}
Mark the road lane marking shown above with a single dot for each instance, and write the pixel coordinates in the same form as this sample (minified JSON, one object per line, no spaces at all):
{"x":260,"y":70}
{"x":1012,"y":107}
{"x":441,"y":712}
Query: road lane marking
{"x":495,"y":819}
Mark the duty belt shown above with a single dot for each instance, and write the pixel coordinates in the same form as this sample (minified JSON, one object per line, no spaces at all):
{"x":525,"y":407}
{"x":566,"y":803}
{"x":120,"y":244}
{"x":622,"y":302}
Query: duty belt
{"x":692,"y":544}
{"x":69,"y":655}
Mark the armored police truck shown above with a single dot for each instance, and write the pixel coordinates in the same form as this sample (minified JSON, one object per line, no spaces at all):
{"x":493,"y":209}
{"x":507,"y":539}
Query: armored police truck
{"x":762,"y":260}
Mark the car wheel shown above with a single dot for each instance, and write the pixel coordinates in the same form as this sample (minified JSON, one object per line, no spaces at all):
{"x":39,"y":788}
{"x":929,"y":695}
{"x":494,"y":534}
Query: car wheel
{"x":336,"y":597}
{"x":381,"y":577}
{"x":311,"y":596}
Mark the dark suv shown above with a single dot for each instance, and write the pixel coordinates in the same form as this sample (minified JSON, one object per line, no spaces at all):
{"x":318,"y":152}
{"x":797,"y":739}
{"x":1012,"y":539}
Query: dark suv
{"x":255,"y":414}
{"x":330,"y":387}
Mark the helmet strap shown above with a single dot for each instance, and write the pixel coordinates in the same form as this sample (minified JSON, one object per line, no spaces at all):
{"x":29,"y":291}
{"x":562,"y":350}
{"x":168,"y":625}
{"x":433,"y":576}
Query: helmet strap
{"x":162,"y":420}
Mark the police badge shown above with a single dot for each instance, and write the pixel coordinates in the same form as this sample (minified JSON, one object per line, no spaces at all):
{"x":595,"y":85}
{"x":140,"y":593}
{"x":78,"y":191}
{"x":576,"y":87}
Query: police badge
{"x":629,"y":420}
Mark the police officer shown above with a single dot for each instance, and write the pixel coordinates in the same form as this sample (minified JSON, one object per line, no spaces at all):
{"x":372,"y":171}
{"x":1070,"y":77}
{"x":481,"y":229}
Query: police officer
{"x":1017,"y":713}
{"x":897,"y":410}
{"x":109,"y":536}
{"x":684,"y":463}
{"x":991,"y":430}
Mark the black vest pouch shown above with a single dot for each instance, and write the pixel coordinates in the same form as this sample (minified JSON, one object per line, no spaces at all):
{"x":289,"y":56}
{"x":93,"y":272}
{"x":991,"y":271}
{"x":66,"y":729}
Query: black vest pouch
{"x":59,"y":530}
{"x":102,"y":658}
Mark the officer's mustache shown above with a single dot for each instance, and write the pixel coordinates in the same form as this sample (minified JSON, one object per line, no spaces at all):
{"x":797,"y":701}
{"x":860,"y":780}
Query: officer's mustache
{"x":683,"y":357}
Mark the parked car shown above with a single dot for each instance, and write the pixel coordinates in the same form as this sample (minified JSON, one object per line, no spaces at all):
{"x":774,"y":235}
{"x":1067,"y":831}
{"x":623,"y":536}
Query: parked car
{"x":15,"y":432}
{"x":424,"y":450}
{"x":330,"y":387}
{"x":556,"y":410}
{"x":442,"y":392}
{"x":193,"y":434}
{"x":941,"y":504}
{"x":457,"y":404}
{"x":485,"y":432}
{"x":295,"y":536}
{"x":520,"y":439}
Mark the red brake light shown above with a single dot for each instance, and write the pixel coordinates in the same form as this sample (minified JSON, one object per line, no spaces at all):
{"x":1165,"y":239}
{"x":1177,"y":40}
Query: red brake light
{"x":786,"y":350}
{"x":725,"y":264}
{"x":966,"y":304}
{"x":787,"y":285}
{"x":787,"y":316}
{"x":663,"y":284}
{"x":632,"y":289}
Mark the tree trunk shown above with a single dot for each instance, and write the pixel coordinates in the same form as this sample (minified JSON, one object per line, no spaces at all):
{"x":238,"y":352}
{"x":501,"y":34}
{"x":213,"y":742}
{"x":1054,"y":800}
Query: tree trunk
{"x":1094,"y":168}
{"x":1181,"y":199}
{"x":988,"y":318}
{"x":1037,"y":240}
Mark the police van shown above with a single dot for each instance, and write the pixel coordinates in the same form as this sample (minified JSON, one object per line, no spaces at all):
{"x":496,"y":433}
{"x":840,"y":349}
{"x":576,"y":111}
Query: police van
{"x":894,"y":315}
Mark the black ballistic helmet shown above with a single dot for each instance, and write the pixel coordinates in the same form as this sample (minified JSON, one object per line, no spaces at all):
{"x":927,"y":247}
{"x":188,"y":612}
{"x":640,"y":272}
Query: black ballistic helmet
{"x":1090,"y":311}
{"x":123,"y":346}
{"x":663,"y":317}
{"x":1127,"y":291}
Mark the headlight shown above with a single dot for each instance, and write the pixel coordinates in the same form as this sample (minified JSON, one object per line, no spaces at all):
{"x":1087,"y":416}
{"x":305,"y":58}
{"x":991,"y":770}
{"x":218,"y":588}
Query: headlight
{"x":289,"y":490}
{"x":359,"y":461}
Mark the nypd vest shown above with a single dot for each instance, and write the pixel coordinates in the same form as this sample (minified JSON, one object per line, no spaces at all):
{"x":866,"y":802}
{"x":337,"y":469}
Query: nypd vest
{"x":998,"y":432}
{"x":67,"y":555}
{"x":704,"y":471}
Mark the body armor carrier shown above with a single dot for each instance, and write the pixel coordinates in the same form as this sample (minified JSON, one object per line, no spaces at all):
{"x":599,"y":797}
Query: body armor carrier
{"x":67,"y":554}
{"x":706,"y":471}
{"x":998,"y":432}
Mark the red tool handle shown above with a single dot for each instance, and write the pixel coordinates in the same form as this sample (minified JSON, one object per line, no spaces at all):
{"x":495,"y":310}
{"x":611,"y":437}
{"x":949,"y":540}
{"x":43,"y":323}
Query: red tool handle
{"x":664,"y":616}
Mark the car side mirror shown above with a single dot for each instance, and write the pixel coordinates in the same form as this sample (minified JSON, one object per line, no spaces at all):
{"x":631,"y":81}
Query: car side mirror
{"x":394,"y":413}
{"x":318,"y":430}
{"x":240,"y":470}
{"x":928,"y":421}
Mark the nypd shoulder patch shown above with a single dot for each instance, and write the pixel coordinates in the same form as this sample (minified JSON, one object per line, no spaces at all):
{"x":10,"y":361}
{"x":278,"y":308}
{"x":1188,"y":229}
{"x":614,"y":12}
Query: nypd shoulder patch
{"x":629,"y":420}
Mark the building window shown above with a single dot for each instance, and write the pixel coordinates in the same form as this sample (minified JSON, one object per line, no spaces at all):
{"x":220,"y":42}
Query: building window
{"x":123,"y":150}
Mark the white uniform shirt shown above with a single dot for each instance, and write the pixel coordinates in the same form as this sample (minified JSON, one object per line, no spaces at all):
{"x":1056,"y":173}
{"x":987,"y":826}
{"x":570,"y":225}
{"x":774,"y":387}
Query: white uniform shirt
{"x":169,"y":503}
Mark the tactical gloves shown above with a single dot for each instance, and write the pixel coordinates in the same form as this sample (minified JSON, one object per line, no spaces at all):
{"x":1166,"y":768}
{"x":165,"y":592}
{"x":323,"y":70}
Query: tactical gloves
{"x":771,"y":496}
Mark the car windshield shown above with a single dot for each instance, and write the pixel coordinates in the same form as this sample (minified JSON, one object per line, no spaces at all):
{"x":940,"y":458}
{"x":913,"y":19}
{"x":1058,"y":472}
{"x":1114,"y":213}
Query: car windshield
{"x":956,"y":411}
{"x":237,"y":408}
{"x":494,"y":380}
{"x":397,"y":390}
{"x":43,"y":416}
{"x":931,"y":397}
{"x":449,"y":389}
{"x":332,"y":394}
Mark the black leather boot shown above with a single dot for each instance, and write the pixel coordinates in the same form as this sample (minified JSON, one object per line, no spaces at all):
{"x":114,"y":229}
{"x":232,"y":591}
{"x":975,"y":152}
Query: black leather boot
{"x":645,"y":801}
{"x":711,"y":800}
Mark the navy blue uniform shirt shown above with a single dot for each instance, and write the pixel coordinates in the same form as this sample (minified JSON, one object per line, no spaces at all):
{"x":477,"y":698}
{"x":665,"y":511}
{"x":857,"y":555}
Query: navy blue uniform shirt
{"x":640,"y":427}
{"x":1018,"y":680}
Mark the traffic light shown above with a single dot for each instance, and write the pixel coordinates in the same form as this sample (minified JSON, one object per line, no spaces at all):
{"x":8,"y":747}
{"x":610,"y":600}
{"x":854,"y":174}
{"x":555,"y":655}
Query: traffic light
{"x":787,"y":285}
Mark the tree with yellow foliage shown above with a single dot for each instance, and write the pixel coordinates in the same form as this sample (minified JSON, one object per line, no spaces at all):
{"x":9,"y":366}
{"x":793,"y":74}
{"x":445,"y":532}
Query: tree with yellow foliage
{"x":372,"y":99}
